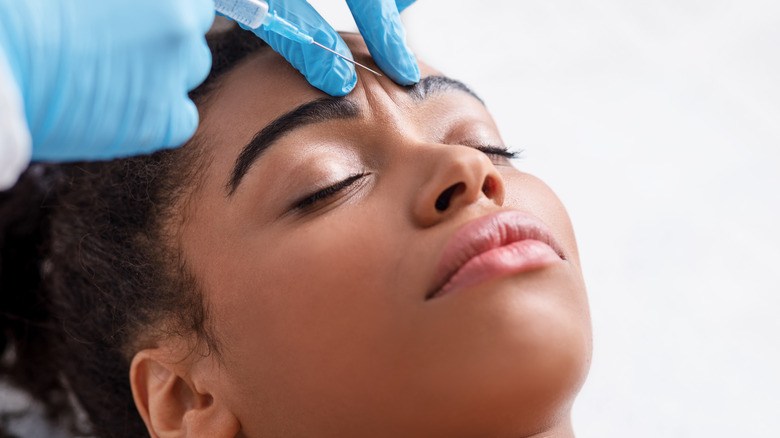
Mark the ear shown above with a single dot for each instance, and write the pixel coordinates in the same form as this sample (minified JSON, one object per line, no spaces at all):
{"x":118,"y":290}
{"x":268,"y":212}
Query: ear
{"x":169,"y":401}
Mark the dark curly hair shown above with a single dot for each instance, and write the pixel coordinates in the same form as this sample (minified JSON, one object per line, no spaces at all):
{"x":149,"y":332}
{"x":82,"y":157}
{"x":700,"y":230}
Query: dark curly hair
{"x":90,"y":272}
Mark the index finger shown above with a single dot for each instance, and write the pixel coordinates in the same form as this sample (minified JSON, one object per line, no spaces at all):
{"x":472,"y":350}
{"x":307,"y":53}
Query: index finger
{"x":322,"y":69}
{"x":380,"y":24}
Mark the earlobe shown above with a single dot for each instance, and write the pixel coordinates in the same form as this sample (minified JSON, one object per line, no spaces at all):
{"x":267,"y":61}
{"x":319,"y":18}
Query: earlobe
{"x":167,"y":400}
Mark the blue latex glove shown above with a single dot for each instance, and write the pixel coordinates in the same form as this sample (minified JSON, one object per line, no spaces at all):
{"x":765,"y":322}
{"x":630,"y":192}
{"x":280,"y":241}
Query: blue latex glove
{"x":104,"y":79}
{"x":380,"y":25}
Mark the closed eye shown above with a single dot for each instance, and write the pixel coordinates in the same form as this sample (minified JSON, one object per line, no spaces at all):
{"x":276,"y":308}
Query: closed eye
{"x":313,"y":200}
{"x":498,"y":152}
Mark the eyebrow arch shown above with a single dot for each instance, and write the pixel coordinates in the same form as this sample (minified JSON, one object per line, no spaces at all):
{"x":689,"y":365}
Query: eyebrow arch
{"x":323,"y":110}
{"x":320,"y":110}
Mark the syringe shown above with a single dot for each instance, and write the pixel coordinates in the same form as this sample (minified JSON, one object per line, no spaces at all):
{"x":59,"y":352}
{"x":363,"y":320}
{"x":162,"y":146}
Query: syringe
{"x":254,"y":13}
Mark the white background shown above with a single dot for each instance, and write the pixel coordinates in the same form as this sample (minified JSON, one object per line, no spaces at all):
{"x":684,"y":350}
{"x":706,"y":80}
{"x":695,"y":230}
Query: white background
{"x":658,"y":124}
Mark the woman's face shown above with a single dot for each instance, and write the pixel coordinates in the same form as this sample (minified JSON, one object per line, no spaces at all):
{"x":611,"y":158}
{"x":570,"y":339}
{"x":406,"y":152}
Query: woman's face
{"x":327,"y":306}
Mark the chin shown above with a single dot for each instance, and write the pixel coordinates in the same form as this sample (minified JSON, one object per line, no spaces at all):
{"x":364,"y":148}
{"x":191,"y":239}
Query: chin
{"x":529,"y":348}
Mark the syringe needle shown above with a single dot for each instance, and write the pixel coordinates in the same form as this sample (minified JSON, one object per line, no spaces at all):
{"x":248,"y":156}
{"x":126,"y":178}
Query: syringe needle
{"x":347,"y":59}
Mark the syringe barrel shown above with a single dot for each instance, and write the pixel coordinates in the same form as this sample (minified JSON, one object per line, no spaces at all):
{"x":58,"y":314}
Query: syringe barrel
{"x":250,"y":13}
{"x":277,"y":24}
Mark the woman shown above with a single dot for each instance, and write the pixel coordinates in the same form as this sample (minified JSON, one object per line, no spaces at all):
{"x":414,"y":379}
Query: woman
{"x":306,"y":266}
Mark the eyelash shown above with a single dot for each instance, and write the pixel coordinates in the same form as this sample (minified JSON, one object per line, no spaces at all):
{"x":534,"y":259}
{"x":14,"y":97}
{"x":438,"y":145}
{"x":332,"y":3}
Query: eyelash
{"x":327,"y":192}
{"x":315,"y":198}
{"x":498,"y":151}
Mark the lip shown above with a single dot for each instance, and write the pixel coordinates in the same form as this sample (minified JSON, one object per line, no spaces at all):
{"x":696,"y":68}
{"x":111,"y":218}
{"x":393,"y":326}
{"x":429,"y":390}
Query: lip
{"x":494,"y":246}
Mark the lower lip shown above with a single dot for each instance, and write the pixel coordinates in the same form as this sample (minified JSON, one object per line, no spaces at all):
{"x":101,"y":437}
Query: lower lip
{"x":515,"y":258}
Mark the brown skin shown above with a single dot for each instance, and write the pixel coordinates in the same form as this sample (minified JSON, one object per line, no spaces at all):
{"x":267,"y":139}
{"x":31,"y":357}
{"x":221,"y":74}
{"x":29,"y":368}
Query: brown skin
{"x":323,"y":316}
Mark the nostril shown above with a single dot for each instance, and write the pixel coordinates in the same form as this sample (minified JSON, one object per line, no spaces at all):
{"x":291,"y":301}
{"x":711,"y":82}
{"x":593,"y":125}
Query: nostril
{"x":443,"y":201}
{"x":489,"y":187}
{"x":493,"y":189}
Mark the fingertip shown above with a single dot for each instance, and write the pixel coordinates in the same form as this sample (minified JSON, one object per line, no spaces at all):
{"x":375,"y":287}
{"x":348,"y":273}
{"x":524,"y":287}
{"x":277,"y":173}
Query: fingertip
{"x":347,"y":84}
{"x":337,"y":82}
{"x":395,"y":57}
{"x":384,"y":34}
{"x":326,"y":71}
{"x":399,"y":63}
{"x":322,"y":69}
{"x":409,"y":71}
{"x":337,"y":76}
{"x":200,"y":64}
{"x":183,"y":125}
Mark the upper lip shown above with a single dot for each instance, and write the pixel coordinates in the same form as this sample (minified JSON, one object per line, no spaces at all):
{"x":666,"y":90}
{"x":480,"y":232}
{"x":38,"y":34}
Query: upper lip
{"x":489,"y":232}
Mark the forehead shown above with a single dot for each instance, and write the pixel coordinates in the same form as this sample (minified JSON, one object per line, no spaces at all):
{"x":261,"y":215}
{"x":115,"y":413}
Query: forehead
{"x":265,"y":85}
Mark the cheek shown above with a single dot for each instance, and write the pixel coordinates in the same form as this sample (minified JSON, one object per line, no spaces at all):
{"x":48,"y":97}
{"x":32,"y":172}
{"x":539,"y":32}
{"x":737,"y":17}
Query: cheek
{"x":307,"y":289}
{"x":318,"y":304}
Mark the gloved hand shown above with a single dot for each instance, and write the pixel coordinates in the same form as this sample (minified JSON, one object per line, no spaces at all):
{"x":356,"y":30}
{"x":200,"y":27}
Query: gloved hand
{"x":104,"y":79}
{"x":378,"y":21}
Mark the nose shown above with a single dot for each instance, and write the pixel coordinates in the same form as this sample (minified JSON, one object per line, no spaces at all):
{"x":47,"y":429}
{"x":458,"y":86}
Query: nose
{"x":455,"y":177}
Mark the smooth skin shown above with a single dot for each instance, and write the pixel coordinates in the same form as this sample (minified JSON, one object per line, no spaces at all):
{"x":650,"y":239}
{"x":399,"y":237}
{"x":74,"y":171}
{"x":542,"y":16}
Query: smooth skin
{"x":322,"y":314}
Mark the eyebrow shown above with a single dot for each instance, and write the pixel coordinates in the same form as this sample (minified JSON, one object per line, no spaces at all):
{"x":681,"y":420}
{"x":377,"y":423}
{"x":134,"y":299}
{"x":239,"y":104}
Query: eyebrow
{"x":431,"y":85}
{"x":323,"y":110}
